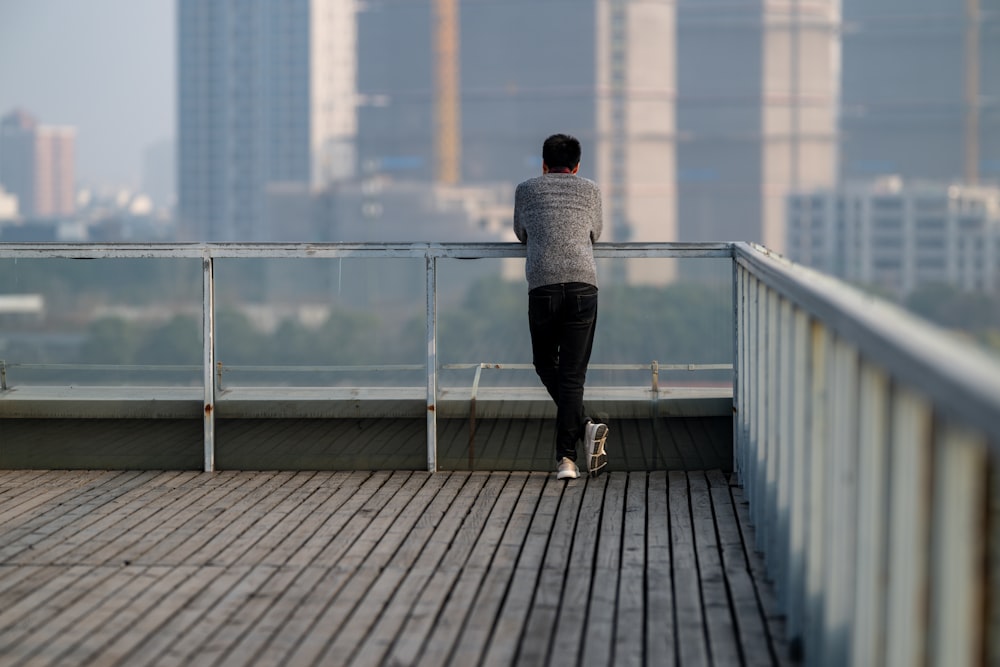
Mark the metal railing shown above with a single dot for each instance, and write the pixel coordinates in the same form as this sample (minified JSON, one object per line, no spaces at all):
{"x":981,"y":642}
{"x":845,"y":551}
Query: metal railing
{"x":867,"y":443}
{"x":431,"y":253}
{"x":865,"y":439}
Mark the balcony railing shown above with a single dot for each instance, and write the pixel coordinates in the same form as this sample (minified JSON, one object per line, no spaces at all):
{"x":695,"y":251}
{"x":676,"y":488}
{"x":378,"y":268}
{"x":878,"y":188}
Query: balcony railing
{"x":867,"y":442}
{"x":212,"y":372}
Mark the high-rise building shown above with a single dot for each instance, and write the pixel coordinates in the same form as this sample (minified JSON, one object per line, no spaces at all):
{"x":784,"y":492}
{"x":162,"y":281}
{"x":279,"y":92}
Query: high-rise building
{"x":757,"y":95}
{"x":601,"y":70}
{"x":37,"y":165}
{"x":921,"y":89}
{"x":266,"y":95}
{"x":898,"y":236}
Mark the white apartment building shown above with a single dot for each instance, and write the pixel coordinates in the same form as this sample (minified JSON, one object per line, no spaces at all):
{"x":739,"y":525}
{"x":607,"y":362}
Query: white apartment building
{"x":266,"y":95}
{"x":898,"y":236}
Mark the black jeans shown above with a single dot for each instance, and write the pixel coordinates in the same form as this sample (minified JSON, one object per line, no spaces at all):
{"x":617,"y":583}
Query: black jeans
{"x":562,"y":319}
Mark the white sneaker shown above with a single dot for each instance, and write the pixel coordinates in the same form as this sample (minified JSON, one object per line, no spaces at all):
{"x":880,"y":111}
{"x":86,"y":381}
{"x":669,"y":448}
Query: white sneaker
{"x":567,"y":469}
{"x":594,"y":438}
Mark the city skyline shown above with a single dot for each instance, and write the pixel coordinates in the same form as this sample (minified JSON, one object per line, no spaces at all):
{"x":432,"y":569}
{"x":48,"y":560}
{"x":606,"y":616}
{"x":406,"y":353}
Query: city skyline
{"x":105,"y":67}
{"x":122,"y":107}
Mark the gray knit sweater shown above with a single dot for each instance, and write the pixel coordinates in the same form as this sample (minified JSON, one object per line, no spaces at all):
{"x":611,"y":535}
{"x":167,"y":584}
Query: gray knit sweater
{"x":559,"y":217}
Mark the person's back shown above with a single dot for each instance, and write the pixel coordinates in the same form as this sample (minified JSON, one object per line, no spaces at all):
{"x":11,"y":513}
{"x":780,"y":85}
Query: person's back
{"x":558,"y":216}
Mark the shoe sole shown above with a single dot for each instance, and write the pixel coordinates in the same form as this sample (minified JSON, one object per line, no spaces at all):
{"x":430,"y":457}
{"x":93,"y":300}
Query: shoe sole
{"x":598,"y":458}
{"x":567,"y":475}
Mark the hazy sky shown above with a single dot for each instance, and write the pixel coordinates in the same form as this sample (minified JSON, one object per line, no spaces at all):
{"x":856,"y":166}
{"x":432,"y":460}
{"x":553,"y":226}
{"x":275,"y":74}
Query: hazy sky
{"x":105,"y":66}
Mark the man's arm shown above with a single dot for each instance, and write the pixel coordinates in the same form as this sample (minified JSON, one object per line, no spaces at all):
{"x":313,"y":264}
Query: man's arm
{"x":597,"y":225}
{"x":519,"y":230}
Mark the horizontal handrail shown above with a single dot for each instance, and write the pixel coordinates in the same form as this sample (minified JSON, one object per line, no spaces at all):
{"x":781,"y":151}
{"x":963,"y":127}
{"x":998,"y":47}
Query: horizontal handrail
{"x":961,"y":380}
{"x":342,"y":250}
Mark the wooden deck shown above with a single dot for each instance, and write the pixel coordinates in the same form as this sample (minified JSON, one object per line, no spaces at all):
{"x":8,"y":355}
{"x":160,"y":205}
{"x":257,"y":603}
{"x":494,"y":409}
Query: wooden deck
{"x":379,"y":568}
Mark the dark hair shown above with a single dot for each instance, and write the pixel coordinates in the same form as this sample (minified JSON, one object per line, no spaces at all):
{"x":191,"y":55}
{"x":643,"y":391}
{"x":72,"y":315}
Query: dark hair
{"x":561,"y":151}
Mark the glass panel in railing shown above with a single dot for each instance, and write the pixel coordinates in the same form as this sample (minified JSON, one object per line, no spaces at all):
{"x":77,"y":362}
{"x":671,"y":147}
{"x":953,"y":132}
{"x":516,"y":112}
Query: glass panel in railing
{"x":101,"y":363}
{"x":101,"y":322}
{"x":483,"y":323}
{"x":660,"y":372}
{"x":331,"y":352}
{"x":674,"y":315}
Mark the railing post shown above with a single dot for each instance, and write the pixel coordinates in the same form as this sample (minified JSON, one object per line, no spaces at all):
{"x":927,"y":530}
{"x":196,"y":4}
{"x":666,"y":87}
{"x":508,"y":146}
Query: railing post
{"x":868,"y":638}
{"x":959,"y":582}
{"x":738,"y":372}
{"x":816,"y":538}
{"x":909,"y":514}
{"x":431,"y":266}
{"x":208,"y":362}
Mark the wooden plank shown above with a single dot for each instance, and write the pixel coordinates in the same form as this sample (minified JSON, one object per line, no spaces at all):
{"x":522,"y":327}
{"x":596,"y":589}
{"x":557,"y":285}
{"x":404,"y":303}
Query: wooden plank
{"x":480,"y":622}
{"x":226,"y":589}
{"x":49,"y":608}
{"x":599,"y":635}
{"x":275,"y":632}
{"x":689,"y":615}
{"x":389,"y":600}
{"x":455,"y":536}
{"x":127,"y":627}
{"x":111,"y":521}
{"x":239,"y":638}
{"x":24,"y":615}
{"x":235,"y":617}
{"x":440,"y":613}
{"x":312,"y":622}
{"x":631,"y":609}
{"x":365,"y":597}
{"x":719,"y":622}
{"x":750,"y":626}
{"x":194,"y":492}
{"x":544,"y":610}
{"x":229,"y":532}
{"x":16,"y":582}
{"x":305,"y":514}
{"x":30,"y":532}
{"x":661,"y":642}
{"x":185,"y":531}
{"x":567,"y":645}
{"x":509,"y":628}
{"x":345,"y":519}
{"x":60,"y":634}
{"x":774,"y":622}
{"x":22,"y":486}
{"x":321,"y":619}
{"x":248,"y":521}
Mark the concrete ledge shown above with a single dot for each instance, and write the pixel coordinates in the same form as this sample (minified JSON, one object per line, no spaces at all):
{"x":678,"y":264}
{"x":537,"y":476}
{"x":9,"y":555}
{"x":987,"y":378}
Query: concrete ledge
{"x":352,"y":402}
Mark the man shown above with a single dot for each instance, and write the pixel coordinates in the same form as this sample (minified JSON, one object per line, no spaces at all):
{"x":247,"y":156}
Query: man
{"x":558,"y":216}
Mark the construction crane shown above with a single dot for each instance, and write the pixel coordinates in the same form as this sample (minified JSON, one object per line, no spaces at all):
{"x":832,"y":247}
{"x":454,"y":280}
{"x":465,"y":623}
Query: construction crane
{"x":971,"y":91}
{"x":447,"y":105}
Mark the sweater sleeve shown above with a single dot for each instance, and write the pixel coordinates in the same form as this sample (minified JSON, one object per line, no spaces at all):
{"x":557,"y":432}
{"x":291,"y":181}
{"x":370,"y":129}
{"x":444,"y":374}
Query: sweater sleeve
{"x":519,"y":230}
{"x":598,"y":224}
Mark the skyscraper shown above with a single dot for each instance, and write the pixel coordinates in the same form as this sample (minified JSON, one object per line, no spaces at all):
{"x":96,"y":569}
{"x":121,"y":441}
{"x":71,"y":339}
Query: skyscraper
{"x":756,"y":113}
{"x":266,"y":97}
{"x":921,"y":89}
{"x":602,"y":70}
{"x":37,"y":165}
